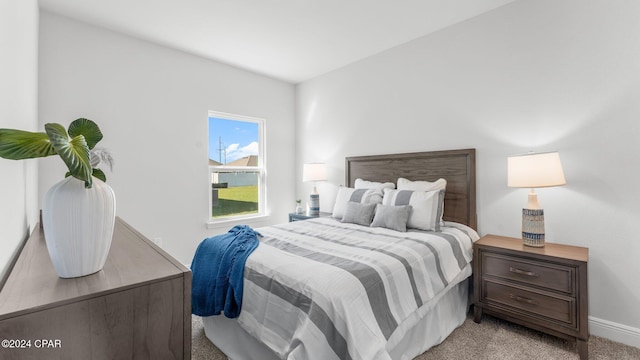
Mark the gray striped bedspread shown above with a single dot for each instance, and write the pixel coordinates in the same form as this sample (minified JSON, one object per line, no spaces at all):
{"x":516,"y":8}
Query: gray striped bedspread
{"x":322,"y":289}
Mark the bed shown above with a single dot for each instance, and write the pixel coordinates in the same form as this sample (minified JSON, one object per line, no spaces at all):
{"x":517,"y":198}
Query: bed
{"x":326,"y":289}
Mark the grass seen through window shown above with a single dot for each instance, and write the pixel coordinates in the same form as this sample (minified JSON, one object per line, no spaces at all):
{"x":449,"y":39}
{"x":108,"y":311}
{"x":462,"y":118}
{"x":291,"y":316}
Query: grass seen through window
{"x":235,"y":200}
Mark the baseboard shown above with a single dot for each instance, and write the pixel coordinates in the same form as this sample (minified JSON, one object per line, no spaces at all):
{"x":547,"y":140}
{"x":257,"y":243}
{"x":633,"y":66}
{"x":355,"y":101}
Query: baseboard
{"x":613,"y":331}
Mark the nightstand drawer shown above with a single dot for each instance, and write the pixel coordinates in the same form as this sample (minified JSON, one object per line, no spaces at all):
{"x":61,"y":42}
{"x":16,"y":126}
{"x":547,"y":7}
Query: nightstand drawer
{"x":537,"y":304}
{"x":549,"y":276}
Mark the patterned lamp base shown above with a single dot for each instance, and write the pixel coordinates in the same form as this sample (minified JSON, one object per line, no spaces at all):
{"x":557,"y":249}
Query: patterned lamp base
{"x":533,"y":227}
{"x":314,"y":205}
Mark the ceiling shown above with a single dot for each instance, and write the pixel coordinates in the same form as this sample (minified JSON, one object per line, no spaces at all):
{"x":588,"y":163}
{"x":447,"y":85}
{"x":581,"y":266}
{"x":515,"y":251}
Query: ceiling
{"x":291,"y":40}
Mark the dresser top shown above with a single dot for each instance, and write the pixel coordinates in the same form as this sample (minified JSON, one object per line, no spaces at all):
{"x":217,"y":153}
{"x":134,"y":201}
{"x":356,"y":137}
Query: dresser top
{"x":133,"y":260}
{"x":550,"y":249}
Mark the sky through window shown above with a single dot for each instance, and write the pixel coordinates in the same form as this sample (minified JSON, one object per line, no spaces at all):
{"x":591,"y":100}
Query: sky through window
{"x":231,"y":140}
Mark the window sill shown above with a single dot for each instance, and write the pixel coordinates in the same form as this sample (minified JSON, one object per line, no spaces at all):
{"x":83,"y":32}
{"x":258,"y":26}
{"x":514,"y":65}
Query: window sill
{"x":217,"y":224}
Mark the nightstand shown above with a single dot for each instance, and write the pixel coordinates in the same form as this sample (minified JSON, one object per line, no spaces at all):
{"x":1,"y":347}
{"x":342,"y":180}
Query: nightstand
{"x":304,"y":216}
{"x":541,"y":288}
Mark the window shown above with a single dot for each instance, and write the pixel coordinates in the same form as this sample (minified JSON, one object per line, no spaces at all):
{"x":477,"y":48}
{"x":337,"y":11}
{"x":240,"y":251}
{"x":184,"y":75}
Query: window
{"x":236,"y":166}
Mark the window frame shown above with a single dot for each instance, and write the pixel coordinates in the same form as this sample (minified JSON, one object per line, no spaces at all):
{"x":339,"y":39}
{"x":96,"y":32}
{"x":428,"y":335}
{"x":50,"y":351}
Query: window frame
{"x":260,"y":169}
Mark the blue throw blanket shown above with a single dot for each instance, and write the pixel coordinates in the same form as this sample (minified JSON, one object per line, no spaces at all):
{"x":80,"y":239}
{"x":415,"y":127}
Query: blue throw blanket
{"x":218,"y":269}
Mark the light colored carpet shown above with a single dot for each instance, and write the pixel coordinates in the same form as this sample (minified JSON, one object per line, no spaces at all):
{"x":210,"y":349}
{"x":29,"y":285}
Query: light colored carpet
{"x":492,"y":339}
{"x":201,"y":347}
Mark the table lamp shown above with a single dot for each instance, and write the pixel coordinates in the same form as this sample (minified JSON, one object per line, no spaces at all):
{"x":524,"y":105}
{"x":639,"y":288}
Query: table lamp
{"x":314,"y":172}
{"x":532,"y":171}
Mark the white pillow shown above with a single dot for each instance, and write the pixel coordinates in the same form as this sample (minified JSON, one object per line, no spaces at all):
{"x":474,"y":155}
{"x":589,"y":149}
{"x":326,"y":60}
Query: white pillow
{"x":364,"y":184}
{"x":363,"y":196}
{"x":427,"y":207}
{"x":405,"y":184}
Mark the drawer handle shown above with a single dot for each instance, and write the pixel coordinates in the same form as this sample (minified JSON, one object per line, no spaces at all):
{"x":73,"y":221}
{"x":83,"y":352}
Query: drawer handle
{"x":522,"y":299}
{"x":522,"y":272}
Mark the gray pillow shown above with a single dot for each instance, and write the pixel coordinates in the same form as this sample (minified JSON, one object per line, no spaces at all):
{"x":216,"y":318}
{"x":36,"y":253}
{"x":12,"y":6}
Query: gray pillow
{"x":392,"y":217}
{"x":358,"y":213}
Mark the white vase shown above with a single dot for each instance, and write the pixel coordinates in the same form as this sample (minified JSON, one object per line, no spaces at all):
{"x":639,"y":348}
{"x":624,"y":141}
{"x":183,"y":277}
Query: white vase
{"x":78,"y":226}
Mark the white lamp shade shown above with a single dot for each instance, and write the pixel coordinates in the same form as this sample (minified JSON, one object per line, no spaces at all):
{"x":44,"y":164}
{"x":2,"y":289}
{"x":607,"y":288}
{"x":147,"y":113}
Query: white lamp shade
{"x":535,"y":170}
{"x":314,"y":172}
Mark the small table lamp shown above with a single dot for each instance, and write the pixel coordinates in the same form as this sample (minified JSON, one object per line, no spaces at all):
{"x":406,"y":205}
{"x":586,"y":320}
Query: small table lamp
{"x":533,"y":171}
{"x":314,"y":172}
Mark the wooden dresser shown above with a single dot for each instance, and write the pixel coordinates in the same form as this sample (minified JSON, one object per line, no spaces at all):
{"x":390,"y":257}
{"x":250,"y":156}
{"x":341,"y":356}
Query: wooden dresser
{"x":137,"y":307}
{"x":541,"y":288}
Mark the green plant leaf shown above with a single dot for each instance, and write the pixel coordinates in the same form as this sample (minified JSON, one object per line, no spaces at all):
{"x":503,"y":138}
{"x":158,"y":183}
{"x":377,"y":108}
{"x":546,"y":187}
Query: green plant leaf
{"x":100,"y":174}
{"x":74,"y":152}
{"x":19,"y":145}
{"x":96,"y":173}
{"x":88,"y":129}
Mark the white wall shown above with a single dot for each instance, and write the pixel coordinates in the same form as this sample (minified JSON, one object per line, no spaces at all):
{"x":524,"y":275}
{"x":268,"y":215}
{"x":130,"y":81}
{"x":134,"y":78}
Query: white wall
{"x":152,"y":104}
{"x":18,"y":110}
{"x":533,"y":75}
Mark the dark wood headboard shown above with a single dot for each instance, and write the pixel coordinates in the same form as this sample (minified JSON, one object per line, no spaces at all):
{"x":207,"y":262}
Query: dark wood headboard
{"x":458,"y":167}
